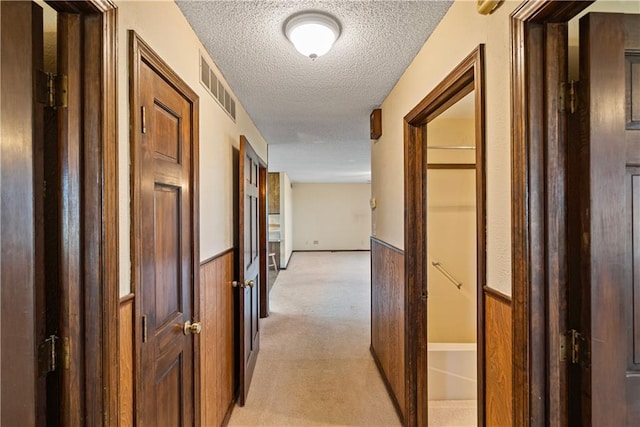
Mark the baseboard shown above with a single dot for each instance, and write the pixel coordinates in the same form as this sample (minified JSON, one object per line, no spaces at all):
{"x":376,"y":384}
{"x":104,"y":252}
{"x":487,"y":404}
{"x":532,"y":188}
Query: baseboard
{"x":387,"y":385}
{"x":227,"y":416}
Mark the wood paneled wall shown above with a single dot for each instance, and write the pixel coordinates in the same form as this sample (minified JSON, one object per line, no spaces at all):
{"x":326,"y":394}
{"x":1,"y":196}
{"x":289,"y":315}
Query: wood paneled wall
{"x":217,"y":339}
{"x":126,"y":386}
{"x":216,"y":345}
{"x":498,"y":358}
{"x":388,"y":317}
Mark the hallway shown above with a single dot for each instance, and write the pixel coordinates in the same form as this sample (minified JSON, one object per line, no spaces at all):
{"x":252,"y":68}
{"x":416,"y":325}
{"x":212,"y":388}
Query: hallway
{"x":314,"y":366}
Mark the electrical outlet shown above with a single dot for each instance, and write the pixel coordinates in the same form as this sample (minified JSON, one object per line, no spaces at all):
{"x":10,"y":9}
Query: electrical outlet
{"x":315,"y":242}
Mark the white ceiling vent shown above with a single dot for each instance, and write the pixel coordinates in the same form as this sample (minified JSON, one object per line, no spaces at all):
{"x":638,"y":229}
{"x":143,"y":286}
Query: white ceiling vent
{"x":216,"y":89}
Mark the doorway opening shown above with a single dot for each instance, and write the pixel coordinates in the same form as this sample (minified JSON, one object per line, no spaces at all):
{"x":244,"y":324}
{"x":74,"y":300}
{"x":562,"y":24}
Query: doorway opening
{"x":452,"y":262}
{"x":63,"y":213}
{"x":545,"y":160}
{"x":429,"y":148}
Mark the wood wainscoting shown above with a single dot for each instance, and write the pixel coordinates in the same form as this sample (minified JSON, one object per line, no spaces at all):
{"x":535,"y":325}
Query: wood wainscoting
{"x":216,"y":345}
{"x":217,"y":339}
{"x":388,"y":317}
{"x":126,"y":388}
{"x":498,"y":358}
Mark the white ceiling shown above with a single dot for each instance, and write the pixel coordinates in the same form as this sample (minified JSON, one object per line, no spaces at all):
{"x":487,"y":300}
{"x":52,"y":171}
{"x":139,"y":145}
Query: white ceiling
{"x":314,"y":114}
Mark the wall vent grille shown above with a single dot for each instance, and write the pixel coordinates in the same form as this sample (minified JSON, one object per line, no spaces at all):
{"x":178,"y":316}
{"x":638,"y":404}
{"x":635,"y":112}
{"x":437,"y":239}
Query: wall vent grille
{"x":216,"y":89}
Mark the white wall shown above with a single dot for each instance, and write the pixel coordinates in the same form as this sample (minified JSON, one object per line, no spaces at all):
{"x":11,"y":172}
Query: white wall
{"x":461,"y":31}
{"x":163,"y":27}
{"x":451,"y":231}
{"x":336,"y":216}
{"x":286,"y":219}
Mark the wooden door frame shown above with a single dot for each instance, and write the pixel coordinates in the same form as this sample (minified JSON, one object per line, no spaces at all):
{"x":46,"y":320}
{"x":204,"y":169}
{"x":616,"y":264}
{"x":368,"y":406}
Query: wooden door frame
{"x":140,"y":51}
{"x":90,"y":176}
{"x":264,"y":244}
{"x":538,"y":209}
{"x":466,"y":77}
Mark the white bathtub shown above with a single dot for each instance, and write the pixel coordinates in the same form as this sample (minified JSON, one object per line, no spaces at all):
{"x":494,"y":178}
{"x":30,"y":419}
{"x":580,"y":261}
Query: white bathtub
{"x":452,"y":371}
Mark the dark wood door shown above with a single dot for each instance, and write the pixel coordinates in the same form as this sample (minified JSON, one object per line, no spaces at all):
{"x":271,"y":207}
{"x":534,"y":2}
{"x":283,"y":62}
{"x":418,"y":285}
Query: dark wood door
{"x":166,"y":374}
{"x":22,"y":393}
{"x":251,"y":227}
{"x":604,"y":225}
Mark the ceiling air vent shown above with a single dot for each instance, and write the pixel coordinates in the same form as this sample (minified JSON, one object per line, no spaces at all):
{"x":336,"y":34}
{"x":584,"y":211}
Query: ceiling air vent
{"x":216,"y":89}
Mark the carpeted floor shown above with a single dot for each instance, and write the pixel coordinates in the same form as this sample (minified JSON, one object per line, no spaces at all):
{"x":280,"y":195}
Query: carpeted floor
{"x":314,"y":366}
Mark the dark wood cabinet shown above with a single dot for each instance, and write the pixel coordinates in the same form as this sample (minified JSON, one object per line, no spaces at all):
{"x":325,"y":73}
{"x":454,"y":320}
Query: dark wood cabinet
{"x":273,"y":193}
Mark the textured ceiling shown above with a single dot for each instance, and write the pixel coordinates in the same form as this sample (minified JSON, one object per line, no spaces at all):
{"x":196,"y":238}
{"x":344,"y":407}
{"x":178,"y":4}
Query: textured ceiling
{"x":314,"y":114}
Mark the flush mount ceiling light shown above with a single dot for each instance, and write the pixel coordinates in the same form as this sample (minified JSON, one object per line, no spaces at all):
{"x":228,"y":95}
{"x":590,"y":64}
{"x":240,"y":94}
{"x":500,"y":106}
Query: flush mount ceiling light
{"x":312,"y":33}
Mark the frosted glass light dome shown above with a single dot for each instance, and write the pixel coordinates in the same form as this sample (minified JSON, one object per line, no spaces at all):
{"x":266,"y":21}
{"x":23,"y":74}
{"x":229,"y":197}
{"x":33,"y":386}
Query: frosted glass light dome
{"x":312,"y":33}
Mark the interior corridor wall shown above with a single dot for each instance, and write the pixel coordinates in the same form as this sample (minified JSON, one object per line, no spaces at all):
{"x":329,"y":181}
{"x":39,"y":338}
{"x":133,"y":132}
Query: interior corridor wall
{"x":331,"y":216}
{"x":461,"y":30}
{"x":286,"y":207}
{"x":163,"y":27}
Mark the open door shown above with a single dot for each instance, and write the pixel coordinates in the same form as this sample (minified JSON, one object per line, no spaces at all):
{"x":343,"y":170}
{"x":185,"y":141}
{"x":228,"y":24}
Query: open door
{"x":252,"y":242}
{"x":604,"y":226}
{"x":21,"y":119}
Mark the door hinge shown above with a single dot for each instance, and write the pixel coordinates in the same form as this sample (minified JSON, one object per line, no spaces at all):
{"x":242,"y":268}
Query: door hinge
{"x":66,"y":353}
{"x":144,"y":120}
{"x":144,"y":328}
{"x":47,"y":355}
{"x":573,"y":347}
{"x":567,"y":97}
{"x":51,"y":90}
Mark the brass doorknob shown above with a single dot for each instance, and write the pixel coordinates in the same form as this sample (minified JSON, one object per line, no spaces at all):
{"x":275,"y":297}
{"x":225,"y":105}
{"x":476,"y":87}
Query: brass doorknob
{"x":191,"y":328}
{"x":247,"y":283}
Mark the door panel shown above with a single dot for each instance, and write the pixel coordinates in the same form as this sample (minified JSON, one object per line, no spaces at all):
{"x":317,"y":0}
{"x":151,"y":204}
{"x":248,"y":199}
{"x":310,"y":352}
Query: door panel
{"x":166,"y":376}
{"x":604,"y":226}
{"x":252,"y":219}
{"x":20,"y":51}
{"x":167,"y":256}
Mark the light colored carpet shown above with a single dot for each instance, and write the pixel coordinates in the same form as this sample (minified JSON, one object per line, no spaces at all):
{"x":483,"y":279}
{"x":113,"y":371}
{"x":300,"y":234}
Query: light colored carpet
{"x":314,"y":367}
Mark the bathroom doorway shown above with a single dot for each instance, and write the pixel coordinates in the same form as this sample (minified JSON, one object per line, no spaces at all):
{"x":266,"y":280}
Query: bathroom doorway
{"x":452,"y":264}
{"x":445,"y":246}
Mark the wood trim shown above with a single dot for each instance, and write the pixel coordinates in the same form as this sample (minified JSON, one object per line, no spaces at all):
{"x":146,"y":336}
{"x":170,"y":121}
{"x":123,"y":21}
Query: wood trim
{"x":263,"y":245}
{"x":98,"y":367}
{"x":387,"y":385}
{"x":82,"y":6}
{"x":451,"y":166}
{"x":140,"y":51}
{"x":96,"y":45}
{"x":227,"y":415}
{"x":386,"y":245}
{"x":69,"y":127}
{"x":468,"y":76}
{"x":496,"y":294}
{"x":536,"y":259}
{"x":556,"y":72}
{"x":215,"y":257}
{"x":126,"y":397}
{"x":126,"y":298}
